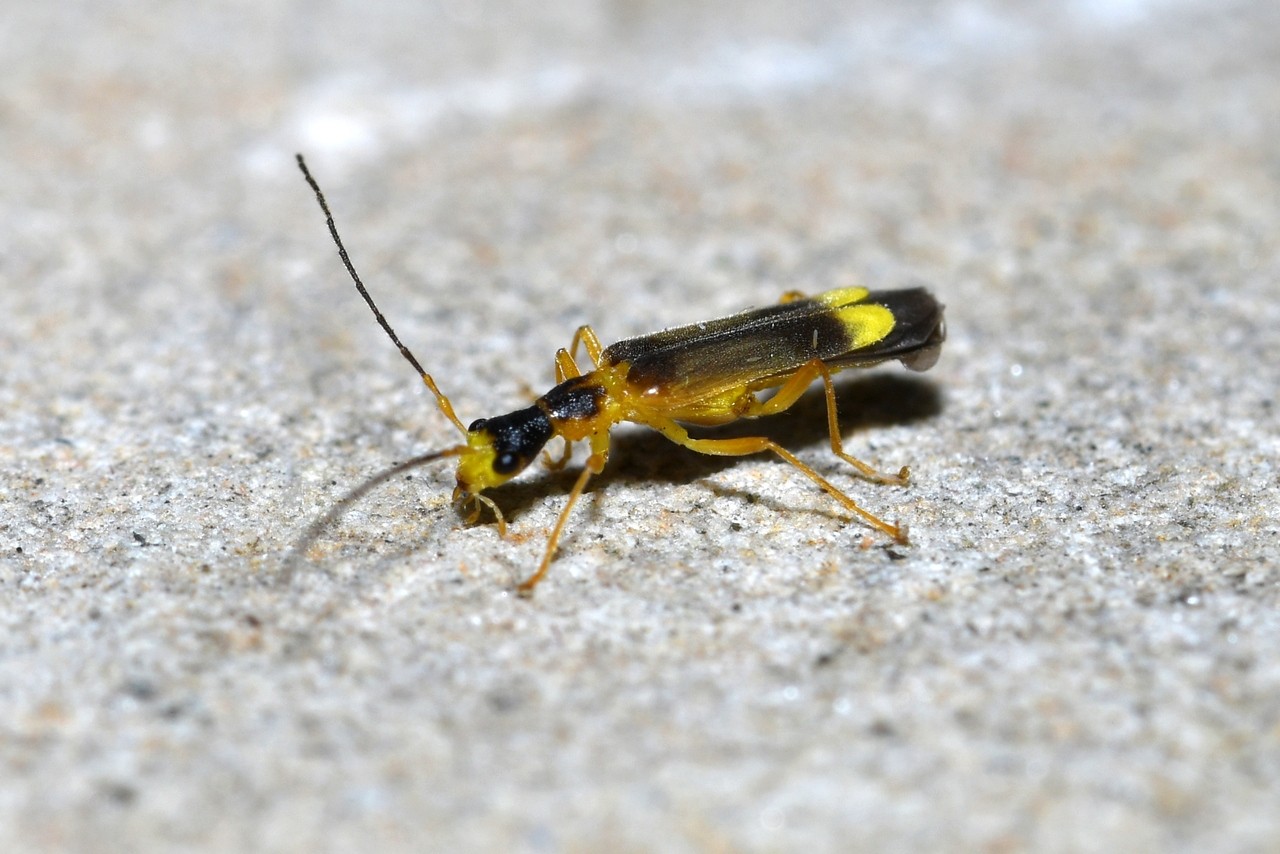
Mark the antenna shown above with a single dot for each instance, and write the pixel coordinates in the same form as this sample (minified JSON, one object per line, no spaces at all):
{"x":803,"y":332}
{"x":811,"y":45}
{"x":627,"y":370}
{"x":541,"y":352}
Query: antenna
{"x":443,"y":402}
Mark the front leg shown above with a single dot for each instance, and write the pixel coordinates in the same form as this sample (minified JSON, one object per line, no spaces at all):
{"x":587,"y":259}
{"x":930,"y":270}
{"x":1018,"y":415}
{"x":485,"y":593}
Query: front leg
{"x":566,"y":360}
{"x":595,"y":464}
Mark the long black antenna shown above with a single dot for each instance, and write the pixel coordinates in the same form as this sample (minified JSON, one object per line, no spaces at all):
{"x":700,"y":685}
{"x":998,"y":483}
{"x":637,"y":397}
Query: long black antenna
{"x":443,"y":402}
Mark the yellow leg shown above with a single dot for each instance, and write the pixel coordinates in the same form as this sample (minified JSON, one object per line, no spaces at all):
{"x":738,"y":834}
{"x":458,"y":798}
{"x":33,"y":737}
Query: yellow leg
{"x":556,"y":464}
{"x":741,"y":447}
{"x":566,"y":360}
{"x":588,"y":338}
{"x":595,"y":465}
{"x":793,"y":389}
{"x":566,"y":367}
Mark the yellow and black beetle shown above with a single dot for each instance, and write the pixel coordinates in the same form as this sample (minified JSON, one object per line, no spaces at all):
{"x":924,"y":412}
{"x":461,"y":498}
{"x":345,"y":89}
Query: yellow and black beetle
{"x":702,"y":374}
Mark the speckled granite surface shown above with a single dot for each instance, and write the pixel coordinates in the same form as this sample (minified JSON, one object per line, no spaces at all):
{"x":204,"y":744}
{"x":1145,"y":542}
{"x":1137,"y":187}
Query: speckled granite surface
{"x":1078,"y":652}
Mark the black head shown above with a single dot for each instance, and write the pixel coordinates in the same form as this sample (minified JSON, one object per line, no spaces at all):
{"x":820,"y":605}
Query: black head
{"x":500,"y":448}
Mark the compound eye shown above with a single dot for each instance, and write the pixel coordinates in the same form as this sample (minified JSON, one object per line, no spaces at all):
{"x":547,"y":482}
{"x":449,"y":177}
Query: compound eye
{"x":506,"y":463}
{"x":476,"y":425}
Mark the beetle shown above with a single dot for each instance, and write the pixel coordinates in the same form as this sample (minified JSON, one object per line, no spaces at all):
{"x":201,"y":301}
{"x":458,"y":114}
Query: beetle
{"x":702,"y":374}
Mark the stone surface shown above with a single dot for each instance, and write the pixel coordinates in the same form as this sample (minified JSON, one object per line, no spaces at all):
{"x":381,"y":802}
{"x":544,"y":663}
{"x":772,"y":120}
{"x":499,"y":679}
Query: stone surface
{"x":1078,"y":652}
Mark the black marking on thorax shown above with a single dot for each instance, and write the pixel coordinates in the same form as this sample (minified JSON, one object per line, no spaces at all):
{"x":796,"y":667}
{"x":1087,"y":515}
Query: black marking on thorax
{"x":576,"y":399}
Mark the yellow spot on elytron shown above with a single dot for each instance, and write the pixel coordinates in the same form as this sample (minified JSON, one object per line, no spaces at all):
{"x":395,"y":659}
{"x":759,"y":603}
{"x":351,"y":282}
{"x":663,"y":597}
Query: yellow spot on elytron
{"x":842,"y":296}
{"x":866,"y":324}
